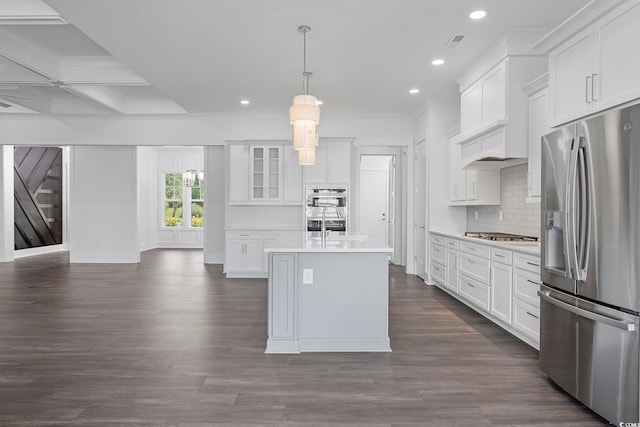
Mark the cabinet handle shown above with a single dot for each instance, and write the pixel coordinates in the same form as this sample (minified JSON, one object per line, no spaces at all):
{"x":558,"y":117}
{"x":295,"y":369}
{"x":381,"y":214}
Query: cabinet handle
{"x":471,"y":261}
{"x":532,"y":281}
{"x":469,"y":284}
{"x":594,"y":86}
{"x":587,"y":89}
{"x":533,"y":263}
{"x":532,"y":315}
{"x":499,"y":256}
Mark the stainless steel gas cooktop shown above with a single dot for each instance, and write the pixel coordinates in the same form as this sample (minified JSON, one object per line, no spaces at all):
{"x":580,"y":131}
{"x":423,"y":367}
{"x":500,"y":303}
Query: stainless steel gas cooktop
{"x":500,"y":237}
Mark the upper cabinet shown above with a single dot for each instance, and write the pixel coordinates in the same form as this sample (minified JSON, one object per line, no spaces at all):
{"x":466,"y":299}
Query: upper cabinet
{"x":263,"y":174}
{"x":333,"y":164}
{"x":538,"y":127}
{"x":470,"y":187}
{"x":493,"y":107}
{"x":592,"y":66}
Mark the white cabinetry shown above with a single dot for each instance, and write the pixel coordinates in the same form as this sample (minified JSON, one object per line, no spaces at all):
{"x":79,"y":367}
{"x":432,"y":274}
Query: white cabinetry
{"x":243,"y":252}
{"x":457,"y":175}
{"x":501,"y":284}
{"x":439,"y":259}
{"x":494,"y":280}
{"x":453,"y":262}
{"x":593,"y":68}
{"x":471,"y":187}
{"x":333,"y":164}
{"x":493,"y":110}
{"x":526,"y":303}
{"x":266,"y":173}
{"x":474,"y":274}
{"x":538,"y":127}
{"x":238,"y":173}
{"x":263,"y":174}
{"x":292,"y":176}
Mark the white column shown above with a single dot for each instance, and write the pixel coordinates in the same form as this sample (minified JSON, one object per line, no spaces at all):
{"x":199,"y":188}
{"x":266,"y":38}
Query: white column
{"x":104,"y":212}
{"x":214,"y":178}
{"x":7,"y":238}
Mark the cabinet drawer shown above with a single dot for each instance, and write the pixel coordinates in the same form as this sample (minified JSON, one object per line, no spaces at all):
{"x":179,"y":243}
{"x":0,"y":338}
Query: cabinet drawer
{"x":244,"y":235}
{"x":475,"y":267}
{"x":526,"y":319}
{"x":527,"y":262}
{"x":440,"y":240}
{"x":503,"y":256}
{"x":472,"y":248}
{"x":439,"y":254}
{"x":439,"y":272}
{"x":526,"y":285}
{"x":453,"y":244}
{"x":475,"y":292}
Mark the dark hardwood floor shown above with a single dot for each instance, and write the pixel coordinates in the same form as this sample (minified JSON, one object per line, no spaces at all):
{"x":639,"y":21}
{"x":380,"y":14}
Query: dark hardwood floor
{"x":171,"y":342}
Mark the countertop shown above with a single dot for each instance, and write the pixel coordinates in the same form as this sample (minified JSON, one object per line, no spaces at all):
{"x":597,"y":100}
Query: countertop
{"x":532,"y":248}
{"x":334,"y":244}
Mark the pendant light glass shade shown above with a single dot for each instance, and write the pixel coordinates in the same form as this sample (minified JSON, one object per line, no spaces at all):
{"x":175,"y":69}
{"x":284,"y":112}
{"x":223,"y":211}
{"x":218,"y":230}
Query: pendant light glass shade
{"x":304,"y":113}
{"x":304,"y":116}
{"x":307,"y":157}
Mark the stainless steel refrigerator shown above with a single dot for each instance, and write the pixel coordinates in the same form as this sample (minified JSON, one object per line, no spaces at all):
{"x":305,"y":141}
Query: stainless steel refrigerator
{"x":590,"y":296}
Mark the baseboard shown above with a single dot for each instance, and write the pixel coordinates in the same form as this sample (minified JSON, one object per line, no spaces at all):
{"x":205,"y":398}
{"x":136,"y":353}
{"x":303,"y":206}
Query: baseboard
{"x":116,"y":258}
{"x":20,"y":253}
{"x":345,"y":344}
{"x":148,"y":246}
{"x":275,"y":346}
{"x":214,"y":258}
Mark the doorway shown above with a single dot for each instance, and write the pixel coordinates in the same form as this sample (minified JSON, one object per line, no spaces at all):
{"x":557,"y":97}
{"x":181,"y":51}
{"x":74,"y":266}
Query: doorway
{"x":420,"y":231}
{"x":380,"y":206}
{"x":377,"y":197}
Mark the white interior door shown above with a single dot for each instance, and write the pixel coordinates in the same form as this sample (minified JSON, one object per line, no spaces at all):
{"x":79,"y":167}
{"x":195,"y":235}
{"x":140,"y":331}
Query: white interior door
{"x":420,"y":232}
{"x":374,"y":204}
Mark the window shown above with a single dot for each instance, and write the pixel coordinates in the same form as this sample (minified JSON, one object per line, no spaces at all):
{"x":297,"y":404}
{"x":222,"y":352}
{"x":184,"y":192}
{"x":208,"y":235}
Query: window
{"x":182,"y":202}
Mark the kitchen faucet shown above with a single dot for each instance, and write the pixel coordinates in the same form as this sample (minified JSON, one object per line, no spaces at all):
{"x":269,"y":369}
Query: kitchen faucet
{"x":323,"y":229}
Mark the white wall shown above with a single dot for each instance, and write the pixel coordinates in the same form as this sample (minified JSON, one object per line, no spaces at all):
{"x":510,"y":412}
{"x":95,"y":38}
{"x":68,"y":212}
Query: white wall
{"x":214,"y":209}
{"x":7,"y":239}
{"x":442,"y":116}
{"x":103,"y":211}
{"x":194,"y":129}
{"x":148,"y":192}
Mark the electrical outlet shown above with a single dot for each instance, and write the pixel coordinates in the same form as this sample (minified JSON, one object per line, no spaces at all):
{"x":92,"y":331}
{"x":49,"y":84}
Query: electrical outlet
{"x":501,"y":216}
{"x":476,"y":215}
{"x":307,"y":276}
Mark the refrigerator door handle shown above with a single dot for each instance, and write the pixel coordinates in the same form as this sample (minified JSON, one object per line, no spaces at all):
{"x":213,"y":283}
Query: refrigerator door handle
{"x":621,"y":324}
{"x":584,"y":216}
{"x":572,"y":211}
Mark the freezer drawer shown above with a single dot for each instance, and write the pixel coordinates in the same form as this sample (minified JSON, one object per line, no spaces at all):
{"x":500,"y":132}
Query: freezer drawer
{"x":591,"y":351}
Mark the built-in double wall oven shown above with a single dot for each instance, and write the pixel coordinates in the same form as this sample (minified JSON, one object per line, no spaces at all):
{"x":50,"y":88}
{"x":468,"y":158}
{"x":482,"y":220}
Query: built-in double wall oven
{"x":329,"y":204}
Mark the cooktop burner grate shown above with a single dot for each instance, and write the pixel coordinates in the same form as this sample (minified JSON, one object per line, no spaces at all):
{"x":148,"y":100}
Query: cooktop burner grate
{"x":501,"y":237}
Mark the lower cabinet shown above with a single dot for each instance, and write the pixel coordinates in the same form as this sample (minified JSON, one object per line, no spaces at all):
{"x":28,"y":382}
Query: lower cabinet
{"x":244,"y":252}
{"x":501,"y":284}
{"x":496,"y":281}
{"x":475,"y":292}
{"x":453,"y":262}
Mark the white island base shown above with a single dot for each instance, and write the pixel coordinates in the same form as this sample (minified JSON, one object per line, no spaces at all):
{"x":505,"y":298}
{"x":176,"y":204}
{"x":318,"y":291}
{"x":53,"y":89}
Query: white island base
{"x":328,"y":300}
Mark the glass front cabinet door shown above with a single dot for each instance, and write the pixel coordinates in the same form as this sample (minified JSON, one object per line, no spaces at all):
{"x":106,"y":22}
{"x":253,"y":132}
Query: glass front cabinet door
{"x":266,"y":173}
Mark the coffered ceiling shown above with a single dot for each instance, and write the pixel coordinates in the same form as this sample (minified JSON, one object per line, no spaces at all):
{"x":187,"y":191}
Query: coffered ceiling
{"x":205,"y":56}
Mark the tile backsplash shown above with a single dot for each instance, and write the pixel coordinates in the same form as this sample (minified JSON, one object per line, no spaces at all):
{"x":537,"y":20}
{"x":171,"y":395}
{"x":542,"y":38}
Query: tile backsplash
{"x":519,"y":217}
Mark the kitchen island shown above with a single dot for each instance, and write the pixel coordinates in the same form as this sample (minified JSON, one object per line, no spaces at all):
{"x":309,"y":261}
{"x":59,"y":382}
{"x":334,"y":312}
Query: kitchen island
{"x":328,"y":299}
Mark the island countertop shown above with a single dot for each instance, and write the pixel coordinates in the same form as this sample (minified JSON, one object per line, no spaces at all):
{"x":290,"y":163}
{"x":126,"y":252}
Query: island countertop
{"x":334,"y":244}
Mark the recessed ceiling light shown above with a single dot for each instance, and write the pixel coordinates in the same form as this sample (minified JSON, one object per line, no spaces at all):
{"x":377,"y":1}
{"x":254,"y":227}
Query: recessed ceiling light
{"x":245,"y":102}
{"x":320,"y":102}
{"x":414,"y":91}
{"x":477,"y":14}
{"x":437,"y":61}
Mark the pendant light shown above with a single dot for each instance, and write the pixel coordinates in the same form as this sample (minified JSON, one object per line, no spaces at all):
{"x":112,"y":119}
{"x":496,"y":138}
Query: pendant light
{"x":304,"y":113}
{"x":307,"y":157}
